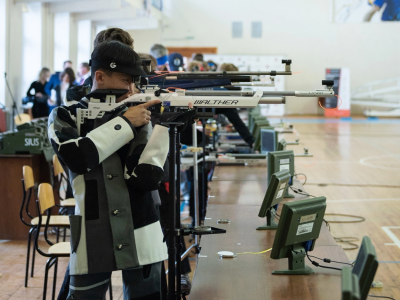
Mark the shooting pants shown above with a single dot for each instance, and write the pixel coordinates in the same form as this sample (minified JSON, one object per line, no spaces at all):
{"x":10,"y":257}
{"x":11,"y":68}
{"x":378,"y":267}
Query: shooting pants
{"x":142,"y":283}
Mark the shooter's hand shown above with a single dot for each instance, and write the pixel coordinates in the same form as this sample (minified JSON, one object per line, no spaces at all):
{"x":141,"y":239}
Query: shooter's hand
{"x":139,"y":115}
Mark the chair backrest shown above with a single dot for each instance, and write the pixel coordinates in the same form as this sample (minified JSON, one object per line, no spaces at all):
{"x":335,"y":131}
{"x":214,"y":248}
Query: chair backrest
{"x":28,"y":177}
{"x":46,"y":197}
{"x":58,"y":169}
{"x":22,"y":119}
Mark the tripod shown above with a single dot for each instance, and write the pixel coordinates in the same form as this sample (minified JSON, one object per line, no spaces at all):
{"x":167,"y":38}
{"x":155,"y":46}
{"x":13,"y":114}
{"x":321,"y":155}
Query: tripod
{"x":14,"y":106}
{"x":174,"y":231}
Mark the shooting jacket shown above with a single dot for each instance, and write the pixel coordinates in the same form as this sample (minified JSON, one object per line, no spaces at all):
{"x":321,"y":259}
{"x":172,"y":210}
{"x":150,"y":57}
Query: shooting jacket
{"x":113,"y":168}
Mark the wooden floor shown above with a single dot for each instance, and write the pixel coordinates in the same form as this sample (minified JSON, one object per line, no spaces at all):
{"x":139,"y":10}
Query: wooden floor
{"x":356,"y":166}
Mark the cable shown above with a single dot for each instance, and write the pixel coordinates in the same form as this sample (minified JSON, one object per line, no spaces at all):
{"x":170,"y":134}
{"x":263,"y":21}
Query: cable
{"x":360,"y":219}
{"x":327,"y":260}
{"x":301,"y":192}
{"x":347,"y":240}
{"x":303,"y":175}
{"x":256,"y":252}
{"x":376,"y":296}
{"x":318,"y":265}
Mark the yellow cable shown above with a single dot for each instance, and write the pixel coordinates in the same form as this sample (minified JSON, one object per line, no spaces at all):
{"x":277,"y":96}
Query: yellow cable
{"x":256,"y":252}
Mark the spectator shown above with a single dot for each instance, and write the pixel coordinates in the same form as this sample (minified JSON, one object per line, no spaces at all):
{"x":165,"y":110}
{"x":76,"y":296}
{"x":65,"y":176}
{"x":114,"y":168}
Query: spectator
{"x":55,"y":78}
{"x":161,"y":54}
{"x":175,"y":62}
{"x":84,"y":72}
{"x":38,"y":95}
{"x":67,"y":79}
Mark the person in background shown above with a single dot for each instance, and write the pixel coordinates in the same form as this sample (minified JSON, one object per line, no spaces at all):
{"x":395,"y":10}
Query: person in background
{"x":213,"y":66}
{"x":232,"y":113}
{"x":198,"y":56}
{"x":37,"y":93}
{"x":161,"y":54}
{"x":175,"y":62}
{"x":67,"y":80}
{"x":391,"y":12}
{"x":84,"y":72}
{"x":55,"y":78}
{"x":198,"y":66}
{"x":153,"y":63}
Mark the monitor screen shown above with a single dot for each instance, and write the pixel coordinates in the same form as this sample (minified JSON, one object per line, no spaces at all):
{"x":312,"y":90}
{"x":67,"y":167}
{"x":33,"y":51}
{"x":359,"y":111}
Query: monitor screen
{"x":350,"y":288}
{"x":300,"y":222}
{"x":268,"y":140}
{"x":276,"y":191}
{"x":365,"y":266}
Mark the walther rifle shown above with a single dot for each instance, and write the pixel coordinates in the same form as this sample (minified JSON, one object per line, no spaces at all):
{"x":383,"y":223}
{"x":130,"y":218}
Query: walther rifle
{"x":199,"y":98}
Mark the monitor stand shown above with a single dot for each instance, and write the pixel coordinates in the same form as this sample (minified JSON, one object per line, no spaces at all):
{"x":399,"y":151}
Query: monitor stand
{"x":297,"y":265}
{"x":287,"y":195}
{"x":271,"y":225}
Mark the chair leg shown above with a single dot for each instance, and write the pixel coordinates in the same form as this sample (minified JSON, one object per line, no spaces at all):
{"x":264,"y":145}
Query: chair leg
{"x":58,"y":234}
{"x":65,"y":234}
{"x":28,"y":253}
{"x":33,"y":254}
{"x":110,"y":290}
{"x":55,"y":278}
{"x":46,"y":276}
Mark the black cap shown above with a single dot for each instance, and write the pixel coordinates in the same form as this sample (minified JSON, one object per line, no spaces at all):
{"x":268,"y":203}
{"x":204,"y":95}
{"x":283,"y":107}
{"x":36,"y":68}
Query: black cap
{"x":134,"y":70}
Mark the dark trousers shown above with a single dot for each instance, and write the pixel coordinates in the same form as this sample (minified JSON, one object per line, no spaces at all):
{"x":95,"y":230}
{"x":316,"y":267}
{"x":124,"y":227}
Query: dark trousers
{"x":142,"y":283}
{"x":237,"y":122}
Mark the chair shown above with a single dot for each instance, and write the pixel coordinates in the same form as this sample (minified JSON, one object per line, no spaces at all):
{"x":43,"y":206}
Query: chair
{"x":44,"y":205}
{"x":28,"y":183}
{"x":59,"y":173}
{"x":22,"y":118}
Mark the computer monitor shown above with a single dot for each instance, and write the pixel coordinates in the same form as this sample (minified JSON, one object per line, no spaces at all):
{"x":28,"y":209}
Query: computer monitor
{"x":350,"y":286}
{"x":365,"y":266}
{"x":251,"y":115}
{"x":259,"y":121}
{"x":276,"y":190}
{"x":281,"y":145}
{"x":278,"y":161}
{"x":299,"y":226}
{"x":268,"y":140}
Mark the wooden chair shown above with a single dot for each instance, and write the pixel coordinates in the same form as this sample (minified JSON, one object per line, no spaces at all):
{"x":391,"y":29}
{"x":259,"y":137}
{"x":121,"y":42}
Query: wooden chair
{"x":44,"y":205}
{"x":59,"y":173}
{"x":28,"y":184}
{"x":22,"y":118}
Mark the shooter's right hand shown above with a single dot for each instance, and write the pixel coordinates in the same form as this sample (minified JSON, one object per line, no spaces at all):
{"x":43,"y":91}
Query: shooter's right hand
{"x":139,"y":115}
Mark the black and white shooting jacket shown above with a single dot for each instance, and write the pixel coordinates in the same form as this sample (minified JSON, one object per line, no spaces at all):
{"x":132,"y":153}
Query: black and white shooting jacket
{"x":112,"y":168}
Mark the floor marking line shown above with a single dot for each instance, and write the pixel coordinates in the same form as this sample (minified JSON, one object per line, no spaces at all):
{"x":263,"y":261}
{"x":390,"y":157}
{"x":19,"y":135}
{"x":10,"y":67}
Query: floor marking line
{"x":390,"y":244}
{"x":392,"y":236}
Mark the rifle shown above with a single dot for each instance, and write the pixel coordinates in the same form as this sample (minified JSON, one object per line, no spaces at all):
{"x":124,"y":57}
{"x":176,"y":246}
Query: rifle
{"x":199,"y":98}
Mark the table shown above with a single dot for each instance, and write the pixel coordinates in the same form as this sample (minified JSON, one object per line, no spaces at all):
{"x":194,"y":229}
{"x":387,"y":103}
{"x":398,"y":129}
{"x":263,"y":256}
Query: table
{"x":248,"y":276}
{"x":11,"y":227}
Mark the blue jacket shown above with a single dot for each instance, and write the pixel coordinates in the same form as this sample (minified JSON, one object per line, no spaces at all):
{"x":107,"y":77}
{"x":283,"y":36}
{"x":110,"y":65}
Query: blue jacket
{"x":53,"y":82}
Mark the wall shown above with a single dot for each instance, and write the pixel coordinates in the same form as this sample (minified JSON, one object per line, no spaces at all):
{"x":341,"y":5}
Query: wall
{"x":32,"y":44}
{"x":61,"y":40}
{"x":14,"y":45}
{"x":301,"y":30}
{"x":2,"y":49}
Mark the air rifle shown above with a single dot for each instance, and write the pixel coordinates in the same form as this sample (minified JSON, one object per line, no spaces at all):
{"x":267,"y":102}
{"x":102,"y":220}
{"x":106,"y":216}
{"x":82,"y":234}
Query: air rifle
{"x":102,"y":101}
